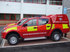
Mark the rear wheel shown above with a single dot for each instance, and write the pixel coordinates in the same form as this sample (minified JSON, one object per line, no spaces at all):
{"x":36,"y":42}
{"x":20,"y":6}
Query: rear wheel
{"x":56,"y":36}
{"x":13,"y":39}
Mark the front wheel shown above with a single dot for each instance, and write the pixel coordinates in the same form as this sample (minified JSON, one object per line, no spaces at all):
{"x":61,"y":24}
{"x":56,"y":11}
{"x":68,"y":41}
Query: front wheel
{"x":56,"y":36}
{"x":13,"y":39}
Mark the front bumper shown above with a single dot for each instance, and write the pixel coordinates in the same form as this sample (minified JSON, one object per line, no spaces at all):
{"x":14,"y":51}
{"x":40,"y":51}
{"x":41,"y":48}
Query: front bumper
{"x":3,"y":35}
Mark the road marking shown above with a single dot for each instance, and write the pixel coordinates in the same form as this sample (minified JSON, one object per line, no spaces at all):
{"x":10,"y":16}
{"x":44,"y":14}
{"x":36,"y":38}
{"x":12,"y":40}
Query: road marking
{"x":3,"y":43}
{"x":66,"y":38}
{"x":35,"y":44}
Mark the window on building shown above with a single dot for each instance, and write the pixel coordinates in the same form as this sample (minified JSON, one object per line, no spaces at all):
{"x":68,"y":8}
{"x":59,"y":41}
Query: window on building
{"x":36,"y":1}
{"x":56,"y":2}
{"x":17,"y":17}
{"x":12,"y":17}
{"x":42,"y":21}
{"x":30,"y":1}
{"x":25,"y":1}
{"x":12,"y":0}
{"x":44,"y":1}
{"x":39,"y":1}
{"x":1,"y":16}
{"x":9,"y":16}
{"x":18,"y":0}
{"x":30,"y":16}
{"x":7,"y":0}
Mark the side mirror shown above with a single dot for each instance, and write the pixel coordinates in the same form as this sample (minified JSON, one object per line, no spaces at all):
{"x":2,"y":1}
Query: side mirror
{"x":24,"y":25}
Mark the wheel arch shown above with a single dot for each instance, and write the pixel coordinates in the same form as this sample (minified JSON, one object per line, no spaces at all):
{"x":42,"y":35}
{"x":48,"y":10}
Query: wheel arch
{"x":12,"y":33}
{"x":58,"y":31}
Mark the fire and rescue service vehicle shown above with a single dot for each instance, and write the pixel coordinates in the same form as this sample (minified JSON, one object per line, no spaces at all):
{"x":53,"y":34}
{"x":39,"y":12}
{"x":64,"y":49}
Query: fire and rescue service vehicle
{"x":53,"y":26}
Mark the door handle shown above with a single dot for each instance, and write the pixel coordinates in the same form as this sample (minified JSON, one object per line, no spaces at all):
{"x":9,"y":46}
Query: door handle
{"x":35,"y":27}
{"x":48,"y":26}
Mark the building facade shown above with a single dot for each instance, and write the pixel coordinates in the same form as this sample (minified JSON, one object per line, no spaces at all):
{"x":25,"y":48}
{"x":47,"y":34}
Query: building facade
{"x":13,"y":10}
{"x":66,"y":4}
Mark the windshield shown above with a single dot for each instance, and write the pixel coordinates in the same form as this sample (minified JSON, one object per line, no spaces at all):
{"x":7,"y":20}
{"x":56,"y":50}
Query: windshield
{"x":22,"y":21}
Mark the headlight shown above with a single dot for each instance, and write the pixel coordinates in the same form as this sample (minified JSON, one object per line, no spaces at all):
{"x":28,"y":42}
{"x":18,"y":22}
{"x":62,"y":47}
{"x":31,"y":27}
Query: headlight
{"x":3,"y":30}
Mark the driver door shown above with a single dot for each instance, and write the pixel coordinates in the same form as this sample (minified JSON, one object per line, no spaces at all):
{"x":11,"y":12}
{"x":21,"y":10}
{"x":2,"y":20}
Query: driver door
{"x":31,"y":29}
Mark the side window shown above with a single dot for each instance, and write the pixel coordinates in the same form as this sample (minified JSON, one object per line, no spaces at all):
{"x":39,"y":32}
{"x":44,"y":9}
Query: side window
{"x":42,"y":21}
{"x":31,"y":22}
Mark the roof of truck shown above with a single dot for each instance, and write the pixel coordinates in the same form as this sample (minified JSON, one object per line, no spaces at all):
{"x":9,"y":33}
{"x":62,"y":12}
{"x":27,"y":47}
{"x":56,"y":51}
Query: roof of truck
{"x":59,"y":18}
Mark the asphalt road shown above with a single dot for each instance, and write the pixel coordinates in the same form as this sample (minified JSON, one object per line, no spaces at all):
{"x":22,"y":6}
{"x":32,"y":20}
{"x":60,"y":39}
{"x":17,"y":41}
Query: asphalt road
{"x":38,"y":49}
{"x":1,"y":27}
{"x":54,"y":49}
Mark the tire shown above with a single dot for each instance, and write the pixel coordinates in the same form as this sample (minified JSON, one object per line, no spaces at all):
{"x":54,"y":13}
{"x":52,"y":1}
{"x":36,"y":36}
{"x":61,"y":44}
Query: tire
{"x":56,"y":36}
{"x":13,"y":39}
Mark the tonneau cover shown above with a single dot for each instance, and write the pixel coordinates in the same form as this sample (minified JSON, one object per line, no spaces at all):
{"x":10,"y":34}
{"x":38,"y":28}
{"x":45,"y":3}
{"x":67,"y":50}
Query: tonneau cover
{"x":59,"y":18}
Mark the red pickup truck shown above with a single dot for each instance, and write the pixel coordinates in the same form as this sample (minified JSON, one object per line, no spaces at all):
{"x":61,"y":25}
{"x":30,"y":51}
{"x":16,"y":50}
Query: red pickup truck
{"x":53,"y":26}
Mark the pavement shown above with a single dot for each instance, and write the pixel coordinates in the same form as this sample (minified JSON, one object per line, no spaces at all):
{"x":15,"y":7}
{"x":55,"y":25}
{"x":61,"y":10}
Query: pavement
{"x":34,"y":42}
{"x":60,"y":47}
{"x":1,"y":27}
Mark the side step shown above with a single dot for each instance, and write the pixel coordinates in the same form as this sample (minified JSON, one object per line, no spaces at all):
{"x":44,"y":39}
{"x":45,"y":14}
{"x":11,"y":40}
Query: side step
{"x":35,"y":38}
